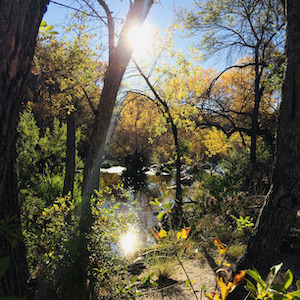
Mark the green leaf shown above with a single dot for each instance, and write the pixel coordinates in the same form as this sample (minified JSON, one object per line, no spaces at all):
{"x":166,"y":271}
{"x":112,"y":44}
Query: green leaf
{"x":295,"y":294}
{"x":279,"y":287}
{"x":273,"y":272}
{"x":251,"y":288}
{"x":138,"y":293}
{"x":134,"y":279}
{"x":160,"y":216}
{"x":152,"y":202}
{"x":53,"y":32}
{"x":48,"y":28}
{"x":279,"y":297}
{"x":255,"y":275}
{"x":154,"y":283}
{"x":288,"y":279}
{"x":4,"y":262}
{"x":43,"y":23}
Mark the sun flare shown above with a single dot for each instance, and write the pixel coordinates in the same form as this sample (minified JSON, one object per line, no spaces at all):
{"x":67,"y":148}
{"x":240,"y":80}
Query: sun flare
{"x":128,"y":242}
{"x":141,"y":39}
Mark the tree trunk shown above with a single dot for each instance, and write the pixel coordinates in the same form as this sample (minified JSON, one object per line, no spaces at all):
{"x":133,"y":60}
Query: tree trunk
{"x":283,"y":200}
{"x":19,"y":25}
{"x":119,"y":60}
{"x":177,"y":210}
{"x":115,"y":71}
{"x":70,"y":155}
{"x":257,"y":99}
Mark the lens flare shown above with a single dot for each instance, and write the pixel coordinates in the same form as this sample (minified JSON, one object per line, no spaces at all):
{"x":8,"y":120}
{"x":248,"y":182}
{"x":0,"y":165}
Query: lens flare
{"x":128,"y":242}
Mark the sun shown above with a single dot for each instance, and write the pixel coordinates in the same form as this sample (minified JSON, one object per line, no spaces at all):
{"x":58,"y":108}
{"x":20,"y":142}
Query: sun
{"x":140,"y":39}
{"x":128,"y":242}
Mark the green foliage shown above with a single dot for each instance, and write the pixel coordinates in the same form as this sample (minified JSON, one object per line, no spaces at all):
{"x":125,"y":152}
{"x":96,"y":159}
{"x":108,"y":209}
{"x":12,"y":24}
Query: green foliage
{"x":42,"y":160}
{"x":268,"y":289}
{"x":243,"y":223}
{"x":54,"y":249}
{"x":162,"y":207}
{"x":46,"y":29}
{"x":107,"y":267}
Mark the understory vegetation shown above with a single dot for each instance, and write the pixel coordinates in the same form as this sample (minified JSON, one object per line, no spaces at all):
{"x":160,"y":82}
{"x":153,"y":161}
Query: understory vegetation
{"x":218,"y":207}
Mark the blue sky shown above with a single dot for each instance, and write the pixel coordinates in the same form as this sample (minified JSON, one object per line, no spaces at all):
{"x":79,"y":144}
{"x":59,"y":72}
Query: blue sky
{"x":160,"y":15}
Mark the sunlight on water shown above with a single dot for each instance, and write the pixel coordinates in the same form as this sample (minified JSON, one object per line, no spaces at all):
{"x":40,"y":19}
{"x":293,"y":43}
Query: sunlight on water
{"x":128,"y":242}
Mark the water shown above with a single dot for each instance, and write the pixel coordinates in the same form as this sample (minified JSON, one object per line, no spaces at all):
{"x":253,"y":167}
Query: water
{"x":156,"y":187}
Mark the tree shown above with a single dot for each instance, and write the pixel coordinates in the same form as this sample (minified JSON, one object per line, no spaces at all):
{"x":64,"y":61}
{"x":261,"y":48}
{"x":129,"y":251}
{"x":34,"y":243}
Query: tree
{"x":119,"y":58}
{"x":64,"y":79}
{"x":252,"y":27}
{"x":19,"y":25}
{"x":283,"y":199}
{"x":137,"y":118}
{"x":230,"y":103}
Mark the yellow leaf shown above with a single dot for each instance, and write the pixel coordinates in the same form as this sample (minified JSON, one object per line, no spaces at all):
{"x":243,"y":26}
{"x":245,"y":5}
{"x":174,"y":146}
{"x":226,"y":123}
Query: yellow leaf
{"x":162,"y":233}
{"x":178,"y":235}
{"x":223,"y":288}
{"x":209,"y":296}
{"x":185,"y":232}
{"x":221,"y":247}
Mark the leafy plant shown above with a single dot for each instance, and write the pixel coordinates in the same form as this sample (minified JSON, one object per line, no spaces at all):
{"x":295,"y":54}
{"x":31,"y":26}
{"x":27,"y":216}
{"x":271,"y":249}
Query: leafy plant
{"x":267,"y":289}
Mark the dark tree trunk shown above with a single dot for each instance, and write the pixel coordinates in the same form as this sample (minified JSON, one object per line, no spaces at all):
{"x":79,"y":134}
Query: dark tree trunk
{"x":257,"y":99}
{"x":19,"y":25}
{"x":283,"y":200}
{"x":70,"y":155}
{"x":177,"y":211}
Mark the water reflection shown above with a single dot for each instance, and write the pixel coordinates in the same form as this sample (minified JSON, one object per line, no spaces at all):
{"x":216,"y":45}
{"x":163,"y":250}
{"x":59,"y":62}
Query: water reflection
{"x":156,"y":187}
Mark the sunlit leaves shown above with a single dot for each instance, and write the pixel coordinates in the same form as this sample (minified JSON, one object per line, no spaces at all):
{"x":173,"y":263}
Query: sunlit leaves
{"x":63,"y":70}
{"x":267,"y":290}
{"x":184,"y":233}
{"x":242,"y":222}
{"x":225,"y":288}
{"x":46,"y":29}
{"x":221,"y":247}
{"x":159,"y":235}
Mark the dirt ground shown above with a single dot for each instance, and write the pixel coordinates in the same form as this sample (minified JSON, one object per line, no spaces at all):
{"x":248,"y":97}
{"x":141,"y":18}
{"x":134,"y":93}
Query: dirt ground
{"x":202,"y":272}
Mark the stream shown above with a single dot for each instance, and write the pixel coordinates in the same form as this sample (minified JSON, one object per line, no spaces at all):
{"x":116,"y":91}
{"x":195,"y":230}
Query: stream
{"x":157,"y":186}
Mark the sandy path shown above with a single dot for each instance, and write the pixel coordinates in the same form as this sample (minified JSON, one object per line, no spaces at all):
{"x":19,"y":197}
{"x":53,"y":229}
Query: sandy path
{"x":199,"y":272}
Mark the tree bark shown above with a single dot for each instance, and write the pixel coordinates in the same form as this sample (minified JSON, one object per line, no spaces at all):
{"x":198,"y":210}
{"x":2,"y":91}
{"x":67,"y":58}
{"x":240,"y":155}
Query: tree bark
{"x":19,"y":25}
{"x":114,"y":74}
{"x":70,"y":155}
{"x":119,"y":59}
{"x":283,"y":200}
{"x":257,"y":99}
